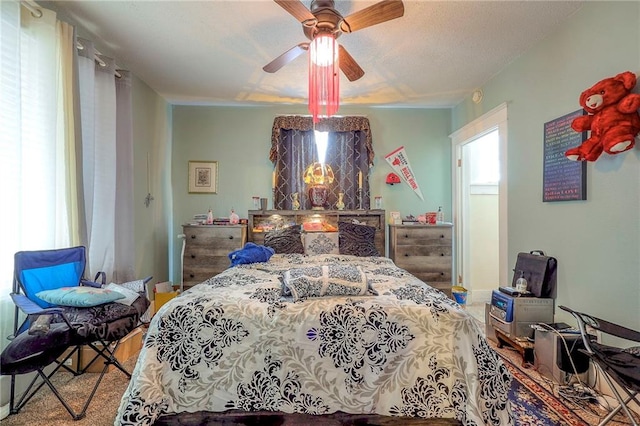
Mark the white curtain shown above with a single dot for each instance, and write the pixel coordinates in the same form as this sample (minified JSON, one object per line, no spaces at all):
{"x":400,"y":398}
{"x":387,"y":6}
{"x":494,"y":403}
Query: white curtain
{"x":41,"y":157}
{"x":107,"y":157}
{"x":34,"y":142}
{"x":32,"y":146}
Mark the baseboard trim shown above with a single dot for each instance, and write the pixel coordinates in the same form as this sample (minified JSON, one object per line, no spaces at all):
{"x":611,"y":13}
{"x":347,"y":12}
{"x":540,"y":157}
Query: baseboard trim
{"x":4,"y":411}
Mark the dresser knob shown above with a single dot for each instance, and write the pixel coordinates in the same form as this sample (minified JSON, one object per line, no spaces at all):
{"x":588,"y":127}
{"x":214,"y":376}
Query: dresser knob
{"x":406,"y":255}
{"x":441,"y":254}
{"x":193,"y":256}
{"x":441,"y":273}
{"x":192,"y":276}
{"x":193,"y":237}
{"x":406,"y":235}
{"x":231,"y":237}
{"x":442,"y":236}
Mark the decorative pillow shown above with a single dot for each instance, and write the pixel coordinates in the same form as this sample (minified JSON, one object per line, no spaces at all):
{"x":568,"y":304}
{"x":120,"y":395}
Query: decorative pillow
{"x":326,"y":280}
{"x":357,"y":240}
{"x":139,"y":287}
{"x":321,"y":243}
{"x":285,"y":241}
{"x":79,"y":296}
{"x":130,"y":296}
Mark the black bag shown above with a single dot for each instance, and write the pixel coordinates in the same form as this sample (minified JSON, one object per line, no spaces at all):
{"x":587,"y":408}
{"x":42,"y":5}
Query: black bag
{"x":540,"y":272}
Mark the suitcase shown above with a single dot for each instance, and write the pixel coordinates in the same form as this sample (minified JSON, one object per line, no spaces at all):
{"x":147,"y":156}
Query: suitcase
{"x":540,"y":272}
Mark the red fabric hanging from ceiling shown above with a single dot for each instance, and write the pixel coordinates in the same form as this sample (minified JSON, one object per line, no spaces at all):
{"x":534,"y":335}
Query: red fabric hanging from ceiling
{"x":324,"y":77}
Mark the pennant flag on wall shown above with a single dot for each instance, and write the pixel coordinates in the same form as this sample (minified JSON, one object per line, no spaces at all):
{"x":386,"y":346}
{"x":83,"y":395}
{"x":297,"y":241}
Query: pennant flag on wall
{"x":400,"y":162}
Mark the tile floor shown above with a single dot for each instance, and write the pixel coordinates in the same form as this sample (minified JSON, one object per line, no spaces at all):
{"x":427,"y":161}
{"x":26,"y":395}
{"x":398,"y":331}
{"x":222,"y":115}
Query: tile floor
{"x":476,"y":310}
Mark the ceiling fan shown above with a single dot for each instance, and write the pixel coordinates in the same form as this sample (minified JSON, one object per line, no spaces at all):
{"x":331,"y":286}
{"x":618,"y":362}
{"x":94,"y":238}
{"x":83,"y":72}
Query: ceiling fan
{"x":323,"y":18}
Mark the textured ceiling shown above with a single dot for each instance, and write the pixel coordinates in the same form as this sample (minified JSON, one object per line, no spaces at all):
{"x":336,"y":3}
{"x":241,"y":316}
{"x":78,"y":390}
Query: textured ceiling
{"x":212,"y":52}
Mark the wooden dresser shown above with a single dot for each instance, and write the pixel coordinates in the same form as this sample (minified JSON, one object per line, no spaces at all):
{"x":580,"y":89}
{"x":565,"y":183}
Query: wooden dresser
{"x":207,"y":249}
{"x":424,"y":251}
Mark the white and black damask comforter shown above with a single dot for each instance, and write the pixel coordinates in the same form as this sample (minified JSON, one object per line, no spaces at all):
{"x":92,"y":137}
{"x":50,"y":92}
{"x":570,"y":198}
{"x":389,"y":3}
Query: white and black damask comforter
{"x":235,"y":342}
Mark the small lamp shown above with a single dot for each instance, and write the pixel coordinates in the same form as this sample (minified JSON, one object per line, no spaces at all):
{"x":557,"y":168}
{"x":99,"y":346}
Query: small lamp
{"x":318,"y":176}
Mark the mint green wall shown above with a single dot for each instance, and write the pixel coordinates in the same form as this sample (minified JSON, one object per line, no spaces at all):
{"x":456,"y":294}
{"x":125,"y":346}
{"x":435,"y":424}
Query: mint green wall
{"x":239,"y":139}
{"x":597,"y":241}
{"x":151,"y":124}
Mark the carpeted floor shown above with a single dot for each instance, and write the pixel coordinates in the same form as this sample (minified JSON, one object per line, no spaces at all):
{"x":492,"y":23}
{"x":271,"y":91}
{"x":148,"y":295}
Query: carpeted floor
{"x":533,"y":403}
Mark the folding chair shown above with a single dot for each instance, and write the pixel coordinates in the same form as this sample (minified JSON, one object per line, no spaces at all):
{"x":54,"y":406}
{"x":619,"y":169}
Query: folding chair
{"x":51,"y":328}
{"x":619,"y":365}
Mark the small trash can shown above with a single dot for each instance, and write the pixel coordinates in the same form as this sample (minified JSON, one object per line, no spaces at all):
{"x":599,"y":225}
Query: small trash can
{"x":460,"y":295}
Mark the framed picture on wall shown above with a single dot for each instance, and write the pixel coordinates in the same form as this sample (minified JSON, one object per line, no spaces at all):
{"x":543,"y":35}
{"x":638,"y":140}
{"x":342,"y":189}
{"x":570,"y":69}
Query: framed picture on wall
{"x":563,"y":179}
{"x":203,"y":177}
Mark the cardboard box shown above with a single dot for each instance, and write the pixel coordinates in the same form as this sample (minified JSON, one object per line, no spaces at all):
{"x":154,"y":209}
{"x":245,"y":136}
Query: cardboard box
{"x":162,"y":298}
{"x":129,"y":346}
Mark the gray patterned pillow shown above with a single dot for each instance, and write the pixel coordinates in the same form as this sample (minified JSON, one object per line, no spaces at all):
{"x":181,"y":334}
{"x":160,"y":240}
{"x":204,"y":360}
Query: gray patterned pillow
{"x":357,"y":240}
{"x":321,"y":243}
{"x":326,"y":280}
{"x":285,"y":241}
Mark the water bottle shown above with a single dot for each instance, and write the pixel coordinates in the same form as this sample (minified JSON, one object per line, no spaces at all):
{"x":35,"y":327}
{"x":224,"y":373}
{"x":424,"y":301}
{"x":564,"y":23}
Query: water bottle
{"x":439,"y":216}
{"x":521,"y":283}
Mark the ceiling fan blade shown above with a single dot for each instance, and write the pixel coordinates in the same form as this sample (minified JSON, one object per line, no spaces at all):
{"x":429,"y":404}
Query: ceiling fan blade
{"x":297,"y":9}
{"x":349,"y":66}
{"x":286,"y":57}
{"x":383,"y":11}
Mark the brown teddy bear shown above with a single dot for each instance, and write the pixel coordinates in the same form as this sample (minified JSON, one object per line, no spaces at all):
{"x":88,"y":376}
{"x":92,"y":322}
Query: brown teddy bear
{"x":613,"y":118}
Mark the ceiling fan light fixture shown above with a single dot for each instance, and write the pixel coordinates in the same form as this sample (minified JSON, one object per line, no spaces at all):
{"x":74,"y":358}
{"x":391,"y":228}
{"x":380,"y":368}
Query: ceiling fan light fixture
{"x":323,"y":50}
{"x":324,"y":76}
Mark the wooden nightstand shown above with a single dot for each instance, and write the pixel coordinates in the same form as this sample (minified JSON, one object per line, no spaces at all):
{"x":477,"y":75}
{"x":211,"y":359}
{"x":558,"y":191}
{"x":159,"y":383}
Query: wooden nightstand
{"x":424,"y":251}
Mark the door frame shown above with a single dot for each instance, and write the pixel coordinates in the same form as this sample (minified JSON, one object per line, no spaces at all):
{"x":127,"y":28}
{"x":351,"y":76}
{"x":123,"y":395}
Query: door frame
{"x":492,"y":120}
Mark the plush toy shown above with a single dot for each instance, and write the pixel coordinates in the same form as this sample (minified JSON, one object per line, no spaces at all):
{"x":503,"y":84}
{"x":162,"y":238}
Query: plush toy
{"x":613,"y":118}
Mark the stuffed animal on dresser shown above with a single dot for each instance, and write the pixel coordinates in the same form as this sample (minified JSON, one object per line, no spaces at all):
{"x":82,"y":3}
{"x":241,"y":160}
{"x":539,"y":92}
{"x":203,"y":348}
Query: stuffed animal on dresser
{"x":612,"y":117}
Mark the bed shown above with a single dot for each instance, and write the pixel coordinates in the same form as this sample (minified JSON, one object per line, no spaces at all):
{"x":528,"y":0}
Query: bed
{"x":238,"y":341}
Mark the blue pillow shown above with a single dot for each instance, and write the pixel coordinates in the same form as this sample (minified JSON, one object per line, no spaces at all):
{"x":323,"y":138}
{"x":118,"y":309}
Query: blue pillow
{"x":79,"y":296}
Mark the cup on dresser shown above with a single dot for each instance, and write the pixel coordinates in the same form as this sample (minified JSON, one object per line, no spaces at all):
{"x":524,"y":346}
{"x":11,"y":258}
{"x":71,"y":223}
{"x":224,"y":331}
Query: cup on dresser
{"x":263,"y":203}
{"x":431,"y":218}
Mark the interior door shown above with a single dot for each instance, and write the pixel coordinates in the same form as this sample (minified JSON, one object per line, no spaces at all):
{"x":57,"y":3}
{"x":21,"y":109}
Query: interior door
{"x":480,"y":204}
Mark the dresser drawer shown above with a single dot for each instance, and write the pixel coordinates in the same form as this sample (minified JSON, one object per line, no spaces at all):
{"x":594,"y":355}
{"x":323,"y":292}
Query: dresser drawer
{"x":430,"y":251}
{"x":418,"y":264}
{"x":213,"y":263}
{"x":202,"y":272}
{"x":422,"y":236}
{"x":222,"y":236}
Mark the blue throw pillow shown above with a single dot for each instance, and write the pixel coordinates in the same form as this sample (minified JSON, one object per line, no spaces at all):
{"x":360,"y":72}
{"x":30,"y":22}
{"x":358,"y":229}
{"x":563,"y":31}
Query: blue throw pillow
{"x":79,"y":296}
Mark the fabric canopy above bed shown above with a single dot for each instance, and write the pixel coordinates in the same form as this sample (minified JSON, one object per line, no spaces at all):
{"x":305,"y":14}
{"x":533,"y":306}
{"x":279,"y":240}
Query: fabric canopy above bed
{"x":235,"y":342}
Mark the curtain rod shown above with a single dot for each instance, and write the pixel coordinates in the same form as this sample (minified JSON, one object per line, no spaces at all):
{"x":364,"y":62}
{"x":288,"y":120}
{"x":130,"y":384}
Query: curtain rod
{"x":32,"y":7}
{"x":36,"y":12}
{"x":98,"y":59}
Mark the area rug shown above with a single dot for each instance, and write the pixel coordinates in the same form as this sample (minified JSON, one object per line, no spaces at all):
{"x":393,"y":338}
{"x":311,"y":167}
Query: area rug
{"x":538,"y":401}
{"x":534,"y":405}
